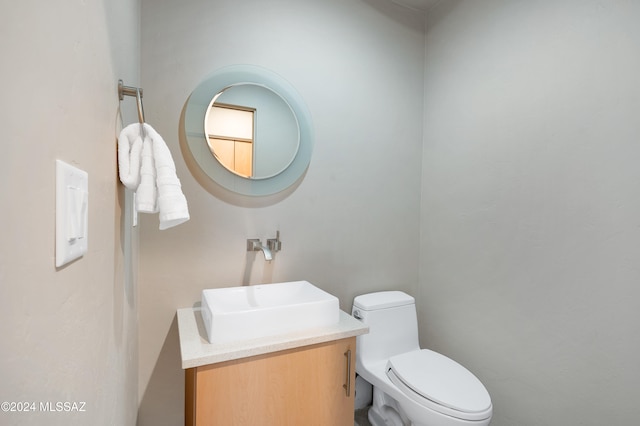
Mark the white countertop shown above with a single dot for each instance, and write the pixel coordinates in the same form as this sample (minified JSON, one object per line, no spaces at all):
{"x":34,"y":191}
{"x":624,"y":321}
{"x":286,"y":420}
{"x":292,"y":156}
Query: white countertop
{"x":196,"y":350}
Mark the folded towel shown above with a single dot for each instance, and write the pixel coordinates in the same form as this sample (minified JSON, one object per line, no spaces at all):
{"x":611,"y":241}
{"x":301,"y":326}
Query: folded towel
{"x":147,"y":193}
{"x":171,"y":202}
{"x":129,"y":154}
{"x":149,"y":170}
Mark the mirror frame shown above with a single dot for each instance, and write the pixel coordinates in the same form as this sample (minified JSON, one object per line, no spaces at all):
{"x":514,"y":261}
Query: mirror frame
{"x":196,"y":109}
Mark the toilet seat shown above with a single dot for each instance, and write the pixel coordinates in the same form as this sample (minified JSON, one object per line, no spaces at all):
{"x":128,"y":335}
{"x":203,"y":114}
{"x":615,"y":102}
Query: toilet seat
{"x":441,"y":384}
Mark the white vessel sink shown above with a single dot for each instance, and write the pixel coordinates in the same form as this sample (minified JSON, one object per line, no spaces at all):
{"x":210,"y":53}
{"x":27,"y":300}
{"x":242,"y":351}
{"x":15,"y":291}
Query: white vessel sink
{"x":250,"y":312}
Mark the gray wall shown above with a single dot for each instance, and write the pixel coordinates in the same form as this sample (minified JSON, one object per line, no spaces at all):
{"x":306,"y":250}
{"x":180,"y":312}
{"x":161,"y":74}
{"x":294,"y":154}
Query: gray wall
{"x":527,"y":208}
{"x":68,"y":334}
{"x":351,"y":224}
{"x":530,"y":241}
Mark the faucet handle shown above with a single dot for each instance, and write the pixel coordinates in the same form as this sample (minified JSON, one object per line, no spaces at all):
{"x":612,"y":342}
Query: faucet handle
{"x":275,"y":244}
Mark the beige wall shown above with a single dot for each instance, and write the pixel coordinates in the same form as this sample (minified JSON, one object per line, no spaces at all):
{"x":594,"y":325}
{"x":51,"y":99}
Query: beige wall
{"x":351,"y":226}
{"x":68,"y":335}
{"x":531,"y":206}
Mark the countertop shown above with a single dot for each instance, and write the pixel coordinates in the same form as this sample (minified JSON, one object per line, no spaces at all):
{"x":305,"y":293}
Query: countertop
{"x":196,"y":350}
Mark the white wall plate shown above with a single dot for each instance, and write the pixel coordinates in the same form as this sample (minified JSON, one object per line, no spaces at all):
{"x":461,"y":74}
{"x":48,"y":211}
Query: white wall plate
{"x":72,"y":207}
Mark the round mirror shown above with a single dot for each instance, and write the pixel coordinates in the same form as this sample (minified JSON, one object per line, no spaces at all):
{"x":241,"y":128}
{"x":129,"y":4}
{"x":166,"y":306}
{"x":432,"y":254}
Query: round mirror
{"x":248,"y":130}
{"x":251,"y":131}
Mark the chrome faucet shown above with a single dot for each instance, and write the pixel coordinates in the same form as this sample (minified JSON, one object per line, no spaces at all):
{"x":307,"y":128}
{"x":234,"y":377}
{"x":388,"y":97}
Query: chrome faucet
{"x":256,"y":245}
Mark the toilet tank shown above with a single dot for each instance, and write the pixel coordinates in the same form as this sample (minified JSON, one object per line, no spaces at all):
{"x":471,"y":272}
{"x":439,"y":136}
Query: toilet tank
{"x":393,"y":325}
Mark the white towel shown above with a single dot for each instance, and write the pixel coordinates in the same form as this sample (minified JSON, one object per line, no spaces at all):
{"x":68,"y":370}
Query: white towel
{"x":157,"y":187}
{"x":129,"y":154}
{"x":147,"y":193}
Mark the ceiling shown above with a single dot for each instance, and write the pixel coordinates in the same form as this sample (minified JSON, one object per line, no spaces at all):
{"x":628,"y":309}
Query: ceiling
{"x":417,"y":4}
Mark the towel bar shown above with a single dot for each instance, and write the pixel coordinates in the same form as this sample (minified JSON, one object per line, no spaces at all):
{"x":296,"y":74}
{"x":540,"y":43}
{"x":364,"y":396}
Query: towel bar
{"x":132,"y":91}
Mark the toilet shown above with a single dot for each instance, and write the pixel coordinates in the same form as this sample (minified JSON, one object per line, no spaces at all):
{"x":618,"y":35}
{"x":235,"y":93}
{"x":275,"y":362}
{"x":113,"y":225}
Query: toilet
{"x":412,"y":386}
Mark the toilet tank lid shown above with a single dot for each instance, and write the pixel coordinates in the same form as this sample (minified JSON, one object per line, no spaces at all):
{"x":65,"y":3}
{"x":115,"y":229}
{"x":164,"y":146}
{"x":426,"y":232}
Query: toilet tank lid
{"x":382,"y":300}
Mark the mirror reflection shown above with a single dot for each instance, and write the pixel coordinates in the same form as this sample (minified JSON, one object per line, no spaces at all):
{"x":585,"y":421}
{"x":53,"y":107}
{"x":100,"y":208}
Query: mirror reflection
{"x":251,"y":131}
{"x":275,"y":166}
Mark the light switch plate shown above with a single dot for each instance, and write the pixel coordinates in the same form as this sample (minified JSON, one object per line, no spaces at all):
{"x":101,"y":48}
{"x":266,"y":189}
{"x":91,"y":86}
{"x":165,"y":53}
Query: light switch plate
{"x":72,"y":207}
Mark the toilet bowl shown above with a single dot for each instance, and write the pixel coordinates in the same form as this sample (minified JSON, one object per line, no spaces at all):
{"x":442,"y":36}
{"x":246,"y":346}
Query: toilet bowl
{"x":412,"y":386}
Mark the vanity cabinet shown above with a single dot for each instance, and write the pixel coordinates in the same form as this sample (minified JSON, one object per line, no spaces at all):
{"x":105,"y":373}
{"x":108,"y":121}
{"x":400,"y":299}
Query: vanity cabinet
{"x":306,"y":385}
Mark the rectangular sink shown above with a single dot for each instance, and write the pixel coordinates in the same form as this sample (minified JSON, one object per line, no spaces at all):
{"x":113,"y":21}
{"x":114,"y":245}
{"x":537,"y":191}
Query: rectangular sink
{"x":240,"y":313}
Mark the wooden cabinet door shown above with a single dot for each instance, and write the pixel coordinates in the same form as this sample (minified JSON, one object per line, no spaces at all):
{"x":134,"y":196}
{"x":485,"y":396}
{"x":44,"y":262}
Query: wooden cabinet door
{"x":302,"y":386}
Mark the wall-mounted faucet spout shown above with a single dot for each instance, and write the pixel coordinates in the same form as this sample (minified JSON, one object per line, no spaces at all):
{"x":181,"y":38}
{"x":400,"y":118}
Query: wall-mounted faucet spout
{"x":256,"y":245}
